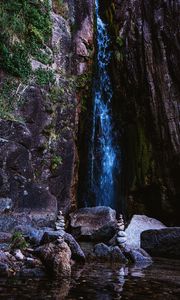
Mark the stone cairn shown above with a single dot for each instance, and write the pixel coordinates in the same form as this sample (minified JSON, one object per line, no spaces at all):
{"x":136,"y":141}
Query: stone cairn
{"x":121,"y":234}
{"x":60,"y":226}
{"x":60,"y":222}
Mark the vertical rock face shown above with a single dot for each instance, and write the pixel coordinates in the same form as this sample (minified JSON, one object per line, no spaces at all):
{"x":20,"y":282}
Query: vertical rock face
{"x":148,"y":89}
{"x":38,"y":155}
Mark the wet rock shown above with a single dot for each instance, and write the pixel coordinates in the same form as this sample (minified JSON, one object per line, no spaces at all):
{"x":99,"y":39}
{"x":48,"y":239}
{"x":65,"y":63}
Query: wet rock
{"x":91,"y":220}
{"x":51,"y":236}
{"x":77,"y":252}
{"x":117,"y":255}
{"x":102,"y":251}
{"x":4,"y":270}
{"x":163,"y":242}
{"x":32,"y":272}
{"x":139,"y":256}
{"x":56,"y":258}
{"x":105,"y":233}
{"x":138,"y":224}
{"x":109,"y":254}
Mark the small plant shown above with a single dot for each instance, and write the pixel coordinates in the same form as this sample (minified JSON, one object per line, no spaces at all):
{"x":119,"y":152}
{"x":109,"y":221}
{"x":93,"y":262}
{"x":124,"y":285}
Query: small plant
{"x":44,"y":76}
{"x":55,"y":162}
{"x":18,"y":241}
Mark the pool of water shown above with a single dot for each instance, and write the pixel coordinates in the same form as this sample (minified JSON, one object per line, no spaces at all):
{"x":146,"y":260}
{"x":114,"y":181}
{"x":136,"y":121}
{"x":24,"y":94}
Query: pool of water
{"x":160,"y":281}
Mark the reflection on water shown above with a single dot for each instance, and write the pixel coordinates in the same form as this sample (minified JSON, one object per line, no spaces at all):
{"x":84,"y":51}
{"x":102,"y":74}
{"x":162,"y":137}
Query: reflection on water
{"x":160,"y":281}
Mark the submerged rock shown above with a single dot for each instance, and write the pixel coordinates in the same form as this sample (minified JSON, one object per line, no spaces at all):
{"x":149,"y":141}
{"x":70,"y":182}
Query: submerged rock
{"x":88,"y":223}
{"x":163,"y":242}
{"x":139,"y":256}
{"x":138,"y":224}
{"x":109,"y":254}
{"x":38,"y":272}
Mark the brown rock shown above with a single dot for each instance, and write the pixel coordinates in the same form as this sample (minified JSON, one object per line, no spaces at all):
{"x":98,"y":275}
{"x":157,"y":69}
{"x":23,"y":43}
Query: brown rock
{"x":56,"y":258}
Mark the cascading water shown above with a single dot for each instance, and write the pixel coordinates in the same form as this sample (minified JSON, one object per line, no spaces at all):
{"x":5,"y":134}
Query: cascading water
{"x":102,"y":153}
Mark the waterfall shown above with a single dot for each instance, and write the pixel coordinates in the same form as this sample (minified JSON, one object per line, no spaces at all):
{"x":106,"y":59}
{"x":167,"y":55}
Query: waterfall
{"x":102,"y":154}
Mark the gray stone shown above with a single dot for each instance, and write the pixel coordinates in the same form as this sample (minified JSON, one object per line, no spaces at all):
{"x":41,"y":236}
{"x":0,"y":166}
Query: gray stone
{"x":122,"y":233}
{"x":102,"y":251}
{"x":51,"y":236}
{"x":163,"y":242}
{"x":90,"y":220}
{"x":121,"y":240}
{"x":138,"y":224}
{"x":139,"y":256}
{"x":38,"y":272}
{"x":77,"y":253}
{"x":117,"y":255}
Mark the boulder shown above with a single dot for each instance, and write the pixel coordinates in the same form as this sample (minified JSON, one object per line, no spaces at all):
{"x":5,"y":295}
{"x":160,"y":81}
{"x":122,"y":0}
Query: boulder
{"x":105,"y":233}
{"x":102,"y":251}
{"x":163,"y":242}
{"x":138,"y":224}
{"x":109,"y":254}
{"x":88,"y":221}
{"x":56,"y":258}
{"x":77,"y":252}
{"x":117,"y":255}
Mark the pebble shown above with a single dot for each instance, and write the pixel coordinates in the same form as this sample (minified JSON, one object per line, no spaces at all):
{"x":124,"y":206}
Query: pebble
{"x":18,"y":255}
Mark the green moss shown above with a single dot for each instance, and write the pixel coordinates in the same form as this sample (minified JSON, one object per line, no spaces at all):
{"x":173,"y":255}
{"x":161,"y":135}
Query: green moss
{"x":56,"y":161}
{"x":18,"y":241}
{"x":25,"y":27}
{"x":10,"y":99}
{"x":44,"y":77}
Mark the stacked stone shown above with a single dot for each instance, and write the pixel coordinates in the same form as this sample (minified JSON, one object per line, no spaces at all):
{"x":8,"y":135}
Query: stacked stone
{"x":60,"y":223}
{"x":121,"y":235}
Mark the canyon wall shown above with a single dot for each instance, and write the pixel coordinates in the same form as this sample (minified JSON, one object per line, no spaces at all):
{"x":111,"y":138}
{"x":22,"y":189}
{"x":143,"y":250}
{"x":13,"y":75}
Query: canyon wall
{"x":147,"y":89}
{"x":40,"y":113}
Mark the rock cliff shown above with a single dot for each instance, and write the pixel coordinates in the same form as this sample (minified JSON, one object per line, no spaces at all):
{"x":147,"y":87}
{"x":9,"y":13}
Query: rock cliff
{"x":40,"y":109}
{"x":146,"y":82}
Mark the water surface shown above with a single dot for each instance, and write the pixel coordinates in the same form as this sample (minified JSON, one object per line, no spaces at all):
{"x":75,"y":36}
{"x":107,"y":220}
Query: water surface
{"x":160,"y":281}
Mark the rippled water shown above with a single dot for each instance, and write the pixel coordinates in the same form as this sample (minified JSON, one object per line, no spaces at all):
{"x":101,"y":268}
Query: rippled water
{"x":160,"y":281}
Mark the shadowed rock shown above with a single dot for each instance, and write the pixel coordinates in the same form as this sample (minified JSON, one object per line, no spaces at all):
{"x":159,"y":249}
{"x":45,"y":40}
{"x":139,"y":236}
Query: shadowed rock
{"x":163,"y":243}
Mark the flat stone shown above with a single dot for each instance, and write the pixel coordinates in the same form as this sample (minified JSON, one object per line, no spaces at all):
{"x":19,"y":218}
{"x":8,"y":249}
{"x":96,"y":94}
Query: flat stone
{"x":51,"y":236}
{"x":122,"y":233}
{"x":121,"y":240}
{"x":138,"y":224}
